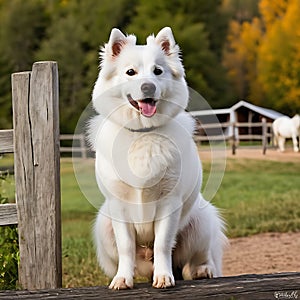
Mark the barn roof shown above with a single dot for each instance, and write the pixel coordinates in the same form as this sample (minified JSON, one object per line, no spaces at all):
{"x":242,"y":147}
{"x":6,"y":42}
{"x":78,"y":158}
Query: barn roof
{"x":269,"y":113}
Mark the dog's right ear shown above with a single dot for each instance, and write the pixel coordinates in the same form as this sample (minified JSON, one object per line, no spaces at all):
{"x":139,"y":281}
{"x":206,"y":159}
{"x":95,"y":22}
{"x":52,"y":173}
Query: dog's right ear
{"x":117,"y":40}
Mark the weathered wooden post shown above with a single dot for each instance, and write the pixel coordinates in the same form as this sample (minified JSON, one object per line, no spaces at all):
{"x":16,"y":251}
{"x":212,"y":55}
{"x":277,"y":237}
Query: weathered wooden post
{"x":264,"y":135}
{"x":82,"y":146}
{"x":233,"y":139}
{"x":37,"y":165}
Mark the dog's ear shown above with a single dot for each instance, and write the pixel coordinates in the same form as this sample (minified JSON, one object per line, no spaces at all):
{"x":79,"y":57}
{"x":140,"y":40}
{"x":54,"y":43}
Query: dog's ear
{"x":116,"y":42}
{"x":166,"y":40}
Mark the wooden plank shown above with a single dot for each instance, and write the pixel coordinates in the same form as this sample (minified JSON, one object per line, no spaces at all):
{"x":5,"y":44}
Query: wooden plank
{"x":250,"y":137}
{"x":271,"y":286}
{"x":246,"y":124}
{"x":80,"y":137}
{"x":8,"y":214}
{"x":36,"y":124}
{"x":215,"y":125}
{"x":71,"y":149}
{"x":6,"y":141}
{"x":212,"y":137}
{"x":264,"y":134}
{"x":71,"y":136}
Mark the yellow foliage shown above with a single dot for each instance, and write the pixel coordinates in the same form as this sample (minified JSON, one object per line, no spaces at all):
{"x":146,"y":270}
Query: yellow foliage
{"x":279,"y":59}
{"x":263,"y":56}
{"x":272,"y":10}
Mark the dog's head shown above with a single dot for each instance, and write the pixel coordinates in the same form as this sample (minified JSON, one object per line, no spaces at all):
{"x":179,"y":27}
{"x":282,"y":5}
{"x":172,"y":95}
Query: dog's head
{"x":140,"y":86}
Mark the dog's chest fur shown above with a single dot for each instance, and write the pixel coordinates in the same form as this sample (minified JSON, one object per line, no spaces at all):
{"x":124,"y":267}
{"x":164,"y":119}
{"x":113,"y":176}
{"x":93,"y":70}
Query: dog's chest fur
{"x":154,"y":165}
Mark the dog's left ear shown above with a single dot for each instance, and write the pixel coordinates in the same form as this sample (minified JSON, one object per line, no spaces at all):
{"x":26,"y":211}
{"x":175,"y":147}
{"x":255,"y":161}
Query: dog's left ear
{"x":166,"y":40}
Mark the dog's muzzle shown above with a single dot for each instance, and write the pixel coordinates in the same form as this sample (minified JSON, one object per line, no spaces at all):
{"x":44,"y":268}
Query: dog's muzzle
{"x":146,"y":106}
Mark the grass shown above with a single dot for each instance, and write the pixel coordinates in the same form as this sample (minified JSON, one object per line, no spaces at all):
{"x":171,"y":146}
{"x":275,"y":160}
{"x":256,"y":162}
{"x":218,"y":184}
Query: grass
{"x":260,"y":196}
{"x":80,"y":267}
{"x":255,"y":196}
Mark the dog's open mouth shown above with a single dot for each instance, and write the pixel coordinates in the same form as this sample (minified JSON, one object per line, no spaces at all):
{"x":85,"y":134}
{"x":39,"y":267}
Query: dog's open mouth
{"x":147,"y":106}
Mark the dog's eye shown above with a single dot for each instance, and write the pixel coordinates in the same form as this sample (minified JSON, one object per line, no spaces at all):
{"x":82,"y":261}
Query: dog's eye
{"x":131,"y":72}
{"x":157,"y":71}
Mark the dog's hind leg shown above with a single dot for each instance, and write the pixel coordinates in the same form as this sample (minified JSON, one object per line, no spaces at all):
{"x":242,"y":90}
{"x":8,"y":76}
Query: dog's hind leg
{"x":200,"y":244}
{"x":105,"y":245}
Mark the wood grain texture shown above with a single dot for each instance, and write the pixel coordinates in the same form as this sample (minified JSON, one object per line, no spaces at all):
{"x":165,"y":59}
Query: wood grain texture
{"x":37,"y":172}
{"x":6,"y":141}
{"x":8,"y":214}
{"x":246,"y":287}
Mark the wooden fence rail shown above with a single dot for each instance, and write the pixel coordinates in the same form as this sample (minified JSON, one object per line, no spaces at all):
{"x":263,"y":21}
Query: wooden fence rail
{"x":6,"y":137}
{"x":232,"y":134}
{"x":246,"y":287}
{"x":82,"y":148}
{"x":7,"y":143}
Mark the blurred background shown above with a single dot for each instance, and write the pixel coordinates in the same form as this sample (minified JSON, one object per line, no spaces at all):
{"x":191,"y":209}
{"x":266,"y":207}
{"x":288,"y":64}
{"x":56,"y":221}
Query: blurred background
{"x":232,"y":49}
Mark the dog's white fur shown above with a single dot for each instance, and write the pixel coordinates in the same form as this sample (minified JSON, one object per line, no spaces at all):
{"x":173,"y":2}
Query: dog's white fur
{"x":284,"y":128}
{"x":154,"y":221}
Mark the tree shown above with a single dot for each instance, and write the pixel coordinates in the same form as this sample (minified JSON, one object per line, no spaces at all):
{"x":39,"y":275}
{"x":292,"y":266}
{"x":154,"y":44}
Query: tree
{"x":240,"y":59}
{"x":5,"y":93}
{"x":279,"y":58}
{"x":272,"y":11}
{"x":262,"y":56}
{"x":77,"y":30}
{"x":22,"y":25}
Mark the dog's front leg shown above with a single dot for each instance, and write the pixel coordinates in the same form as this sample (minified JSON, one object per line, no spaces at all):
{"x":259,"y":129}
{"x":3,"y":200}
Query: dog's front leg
{"x":125,"y":240}
{"x":165,"y":234}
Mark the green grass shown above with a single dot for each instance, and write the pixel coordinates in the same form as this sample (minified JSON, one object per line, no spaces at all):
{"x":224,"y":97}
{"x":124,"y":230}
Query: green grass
{"x":80,"y":267}
{"x":255,"y":196}
{"x":260,"y":196}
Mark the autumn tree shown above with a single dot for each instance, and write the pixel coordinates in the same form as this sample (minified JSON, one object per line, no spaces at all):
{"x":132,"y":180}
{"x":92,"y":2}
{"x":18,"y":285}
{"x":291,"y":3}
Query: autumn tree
{"x":279,"y":56}
{"x":262,"y":56}
{"x":240,"y":59}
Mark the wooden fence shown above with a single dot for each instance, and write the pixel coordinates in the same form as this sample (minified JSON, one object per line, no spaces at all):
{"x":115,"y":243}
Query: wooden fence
{"x":82,"y":148}
{"x":246,"y":287}
{"x":233,"y":136}
{"x":35,"y":143}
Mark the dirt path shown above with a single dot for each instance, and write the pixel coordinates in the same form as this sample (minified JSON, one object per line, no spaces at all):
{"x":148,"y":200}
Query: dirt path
{"x":262,"y":253}
{"x":256,"y":153}
{"x":271,"y":154}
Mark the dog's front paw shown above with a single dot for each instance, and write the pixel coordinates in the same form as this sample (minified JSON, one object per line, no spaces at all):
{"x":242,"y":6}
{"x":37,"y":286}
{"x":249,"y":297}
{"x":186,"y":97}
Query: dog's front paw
{"x":121,"y":283}
{"x":163,"y":281}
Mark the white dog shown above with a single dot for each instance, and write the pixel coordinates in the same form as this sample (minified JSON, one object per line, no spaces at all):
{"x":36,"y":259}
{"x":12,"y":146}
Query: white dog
{"x":284,"y":128}
{"x":154,"y":222}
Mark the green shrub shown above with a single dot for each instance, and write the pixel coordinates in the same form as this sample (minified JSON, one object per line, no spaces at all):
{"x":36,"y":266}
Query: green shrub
{"x":9,"y":250}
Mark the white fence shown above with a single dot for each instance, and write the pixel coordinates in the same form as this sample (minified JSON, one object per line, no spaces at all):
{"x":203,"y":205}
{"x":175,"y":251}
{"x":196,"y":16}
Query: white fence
{"x":81,"y":148}
{"x":228,"y":131}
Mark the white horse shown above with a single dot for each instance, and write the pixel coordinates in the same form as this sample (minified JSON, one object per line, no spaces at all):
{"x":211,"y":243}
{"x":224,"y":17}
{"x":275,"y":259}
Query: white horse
{"x":285,"y":127}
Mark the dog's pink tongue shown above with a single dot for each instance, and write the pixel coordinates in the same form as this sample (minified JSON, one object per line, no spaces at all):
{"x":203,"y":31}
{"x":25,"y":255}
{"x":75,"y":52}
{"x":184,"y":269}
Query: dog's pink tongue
{"x":147,"y":108}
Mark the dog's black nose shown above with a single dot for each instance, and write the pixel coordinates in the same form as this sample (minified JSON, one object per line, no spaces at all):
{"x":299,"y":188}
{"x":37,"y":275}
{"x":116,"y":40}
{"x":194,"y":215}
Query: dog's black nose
{"x":148,"y":89}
